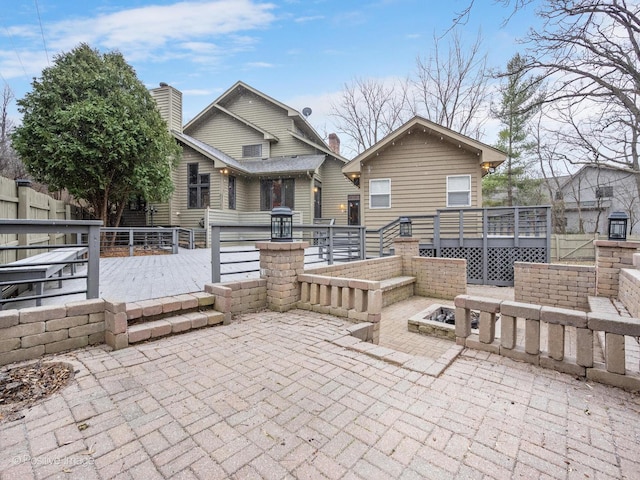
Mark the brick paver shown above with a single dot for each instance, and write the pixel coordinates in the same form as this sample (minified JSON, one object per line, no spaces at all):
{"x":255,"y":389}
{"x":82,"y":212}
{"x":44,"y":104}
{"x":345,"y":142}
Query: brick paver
{"x":269,"y":397}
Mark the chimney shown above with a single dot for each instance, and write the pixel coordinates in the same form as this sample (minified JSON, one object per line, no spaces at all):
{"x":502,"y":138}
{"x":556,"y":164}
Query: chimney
{"x":169,"y":101}
{"x":334,"y":143}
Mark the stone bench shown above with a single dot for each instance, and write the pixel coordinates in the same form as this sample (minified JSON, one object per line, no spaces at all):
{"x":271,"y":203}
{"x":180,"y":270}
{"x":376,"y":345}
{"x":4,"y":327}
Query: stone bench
{"x":396,"y":289}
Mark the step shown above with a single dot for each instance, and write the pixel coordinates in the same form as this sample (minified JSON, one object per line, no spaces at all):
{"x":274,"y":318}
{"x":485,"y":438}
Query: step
{"x":173,"y":325}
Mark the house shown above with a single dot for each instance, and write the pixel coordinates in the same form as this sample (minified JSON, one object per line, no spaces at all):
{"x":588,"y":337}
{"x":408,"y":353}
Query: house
{"x":585,"y":199}
{"x":244,"y":154}
{"x":417,"y":169}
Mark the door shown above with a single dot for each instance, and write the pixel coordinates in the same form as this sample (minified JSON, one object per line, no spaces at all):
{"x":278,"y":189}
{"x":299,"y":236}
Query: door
{"x":317,"y":201}
{"x":353,"y":210}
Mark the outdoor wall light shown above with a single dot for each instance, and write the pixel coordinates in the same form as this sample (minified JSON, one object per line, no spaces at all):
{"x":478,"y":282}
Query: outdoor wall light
{"x":405,"y":227}
{"x":618,"y":226}
{"x":343,"y":208}
{"x":281,"y":224}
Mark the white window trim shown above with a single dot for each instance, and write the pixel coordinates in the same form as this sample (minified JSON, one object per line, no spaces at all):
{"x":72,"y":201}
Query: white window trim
{"x":457,"y":191}
{"x":370,"y":194}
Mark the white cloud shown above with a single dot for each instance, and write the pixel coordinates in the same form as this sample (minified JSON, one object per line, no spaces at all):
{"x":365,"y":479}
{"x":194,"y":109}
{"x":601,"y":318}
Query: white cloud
{"x":198,"y":92}
{"x":260,"y":65}
{"x":309,"y":18}
{"x":157,"y":32}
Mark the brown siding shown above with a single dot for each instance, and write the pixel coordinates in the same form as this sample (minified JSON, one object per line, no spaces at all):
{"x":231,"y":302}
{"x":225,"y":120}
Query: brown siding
{"x":418,"y":165}
{"x":335,"y":189}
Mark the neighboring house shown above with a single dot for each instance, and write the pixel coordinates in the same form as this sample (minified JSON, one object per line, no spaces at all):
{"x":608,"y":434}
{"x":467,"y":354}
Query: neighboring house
{"x":417,"y":169}
{"x":244,"y":154}
{"x":586,"y":199}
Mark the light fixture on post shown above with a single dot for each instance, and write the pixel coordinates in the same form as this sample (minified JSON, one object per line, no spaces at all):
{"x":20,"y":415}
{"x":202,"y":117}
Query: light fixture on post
{"x":405,"y":227}
{"x":281,"y":224}
{"x":618,"y":226}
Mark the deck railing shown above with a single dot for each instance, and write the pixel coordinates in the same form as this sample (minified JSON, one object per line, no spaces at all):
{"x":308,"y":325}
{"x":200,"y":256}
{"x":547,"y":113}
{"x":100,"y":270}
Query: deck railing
{"x":233,"y":252}
{"x":20,"y":239}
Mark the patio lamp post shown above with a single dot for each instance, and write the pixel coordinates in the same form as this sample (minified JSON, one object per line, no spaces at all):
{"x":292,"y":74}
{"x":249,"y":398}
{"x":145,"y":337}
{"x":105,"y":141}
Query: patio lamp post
{"x":405,"y":227}
{"x":618,"y":226}
{"x":281,"y":224}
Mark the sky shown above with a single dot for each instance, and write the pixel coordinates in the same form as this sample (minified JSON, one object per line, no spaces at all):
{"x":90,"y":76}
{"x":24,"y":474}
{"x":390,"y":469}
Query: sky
{"x":300,"y":52}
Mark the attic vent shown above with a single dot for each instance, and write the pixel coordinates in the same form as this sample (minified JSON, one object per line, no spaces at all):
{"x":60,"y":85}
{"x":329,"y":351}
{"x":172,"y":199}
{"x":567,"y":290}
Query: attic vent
{"x":250,"y":151}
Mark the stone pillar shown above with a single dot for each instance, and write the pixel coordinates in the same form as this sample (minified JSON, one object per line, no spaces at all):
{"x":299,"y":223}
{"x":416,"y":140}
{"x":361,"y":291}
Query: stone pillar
{"x":611,"y":257}
{"x":407,"y":248}
{"x":280,"y":265}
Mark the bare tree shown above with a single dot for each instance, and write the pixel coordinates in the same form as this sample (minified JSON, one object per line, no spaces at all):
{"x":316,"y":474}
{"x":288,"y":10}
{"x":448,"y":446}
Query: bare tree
{"x":369,"y":109}
{"x":10,"y":164}
{"x":451,"y":86}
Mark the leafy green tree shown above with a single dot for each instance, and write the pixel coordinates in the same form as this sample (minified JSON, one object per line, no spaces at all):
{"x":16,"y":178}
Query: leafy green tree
{"x":519,"y":100}
{"x":90,"y":126}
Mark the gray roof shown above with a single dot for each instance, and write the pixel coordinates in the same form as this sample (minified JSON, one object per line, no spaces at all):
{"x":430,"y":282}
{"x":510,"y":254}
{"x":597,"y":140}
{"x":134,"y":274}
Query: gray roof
{"x":294,"y":163}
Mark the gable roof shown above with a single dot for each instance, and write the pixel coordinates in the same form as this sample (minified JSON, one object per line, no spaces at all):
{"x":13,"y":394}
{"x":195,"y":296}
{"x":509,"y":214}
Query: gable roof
{"x":309,"y":134}
{"x":268,"y":166}
{"x":486,"y":153}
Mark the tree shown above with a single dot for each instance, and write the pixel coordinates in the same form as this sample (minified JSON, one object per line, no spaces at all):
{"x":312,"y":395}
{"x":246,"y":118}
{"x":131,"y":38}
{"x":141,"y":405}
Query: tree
{"x":90,"y":126}
{"x":451,"y":88}
{"x":519,"y":101}
{"x":10,"y":164}
{"x":589,"y":50}
{"x":369,"y":109}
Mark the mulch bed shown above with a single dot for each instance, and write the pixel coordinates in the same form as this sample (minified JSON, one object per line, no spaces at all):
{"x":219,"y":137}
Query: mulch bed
{"x":21,"y":387}
{"x":112,"y":252}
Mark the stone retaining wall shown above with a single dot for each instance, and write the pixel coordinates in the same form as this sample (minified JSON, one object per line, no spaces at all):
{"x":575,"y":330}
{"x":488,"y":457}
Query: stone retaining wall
{"x":564,"y":286}
{"x":30,"y":333}
{"x":611,"y":257}
{"x":439,"y":277}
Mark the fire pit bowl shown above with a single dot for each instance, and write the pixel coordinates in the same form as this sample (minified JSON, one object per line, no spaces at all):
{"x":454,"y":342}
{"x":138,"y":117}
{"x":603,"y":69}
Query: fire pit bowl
{"x":438,"y":321}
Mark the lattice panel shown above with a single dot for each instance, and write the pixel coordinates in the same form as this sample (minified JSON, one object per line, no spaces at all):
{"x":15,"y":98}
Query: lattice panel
{"x":500,"y":262}
{"x":427,"y":252}
{"x":474,"y":260}
{"x":500,"y":265}
{"x":532,"y":254}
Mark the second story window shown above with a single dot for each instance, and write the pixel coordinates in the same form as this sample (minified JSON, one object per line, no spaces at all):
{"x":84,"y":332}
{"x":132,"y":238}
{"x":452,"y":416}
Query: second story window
{"x":252,"y":151}
{"x":198,"y":187}
{"x":604,"y":192}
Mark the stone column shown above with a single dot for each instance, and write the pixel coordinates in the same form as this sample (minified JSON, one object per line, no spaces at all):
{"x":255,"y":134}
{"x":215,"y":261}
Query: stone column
{"x":611,"y":257}
{"x":280,"y":265}
{"x":407,"y":248}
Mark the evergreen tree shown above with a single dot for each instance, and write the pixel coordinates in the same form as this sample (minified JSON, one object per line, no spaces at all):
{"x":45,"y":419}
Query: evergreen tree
{"x":519,"y":99}
{"x":90,"y":126}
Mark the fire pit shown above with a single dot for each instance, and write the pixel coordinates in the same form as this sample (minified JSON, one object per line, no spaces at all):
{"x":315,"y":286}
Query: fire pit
{"x":438,"y":321}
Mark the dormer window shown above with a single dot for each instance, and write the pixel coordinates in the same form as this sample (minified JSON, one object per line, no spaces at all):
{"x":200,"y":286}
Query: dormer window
{"x":252,"y":151}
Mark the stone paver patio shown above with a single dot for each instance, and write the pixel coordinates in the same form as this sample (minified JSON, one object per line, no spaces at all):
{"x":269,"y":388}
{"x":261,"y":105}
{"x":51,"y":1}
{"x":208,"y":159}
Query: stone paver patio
{"x":269,"y":397}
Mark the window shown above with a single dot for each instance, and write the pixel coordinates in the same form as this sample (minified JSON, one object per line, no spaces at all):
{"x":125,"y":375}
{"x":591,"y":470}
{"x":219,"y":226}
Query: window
{"x":250,"y":151}
{"x":276,"y":193}
{"x":559,"y":195}
{"x":604,"y":192}
{"x":380,"y":193}
{"x":459,"y":191}
{"x":198,"y":187}
{"x":232,"y":193}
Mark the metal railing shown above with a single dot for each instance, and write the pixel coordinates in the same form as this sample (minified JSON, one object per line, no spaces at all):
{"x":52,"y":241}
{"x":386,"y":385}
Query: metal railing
{"x":233,"y":251}
{"x":15,"y":248}
{"x":138,"y":238}
{"x":466,"y":223}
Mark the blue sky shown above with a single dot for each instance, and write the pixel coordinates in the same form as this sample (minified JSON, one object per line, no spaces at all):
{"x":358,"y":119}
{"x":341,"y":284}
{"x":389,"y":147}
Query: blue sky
{"x":300,"y":52}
